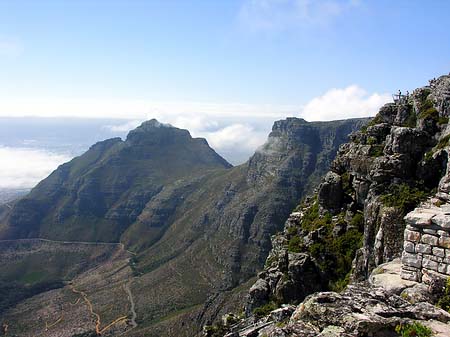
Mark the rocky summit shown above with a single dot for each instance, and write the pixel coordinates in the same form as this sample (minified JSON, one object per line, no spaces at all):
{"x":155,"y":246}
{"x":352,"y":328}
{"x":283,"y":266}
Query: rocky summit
{"x":367,"y":254}
{"x":155,"y":235}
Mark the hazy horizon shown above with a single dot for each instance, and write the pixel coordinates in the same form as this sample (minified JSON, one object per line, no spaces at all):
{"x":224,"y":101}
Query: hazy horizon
{"x":224,"y":70}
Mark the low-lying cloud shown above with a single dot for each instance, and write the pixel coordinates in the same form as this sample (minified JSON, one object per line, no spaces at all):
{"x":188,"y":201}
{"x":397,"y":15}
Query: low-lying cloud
{"x":236,"y":136}
{"x":25,"y":167}
{"x":350,"y":102}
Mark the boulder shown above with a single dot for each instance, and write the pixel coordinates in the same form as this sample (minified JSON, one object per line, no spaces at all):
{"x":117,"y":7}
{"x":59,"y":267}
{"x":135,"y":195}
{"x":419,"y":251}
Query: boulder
{"x":330,"y":194}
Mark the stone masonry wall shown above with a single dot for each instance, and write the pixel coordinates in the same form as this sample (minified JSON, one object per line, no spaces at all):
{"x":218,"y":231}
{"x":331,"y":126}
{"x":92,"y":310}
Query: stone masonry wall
{"x":426,"y":248}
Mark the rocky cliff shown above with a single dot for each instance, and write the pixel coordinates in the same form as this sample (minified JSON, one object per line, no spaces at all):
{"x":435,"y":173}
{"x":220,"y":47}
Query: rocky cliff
{"x":354,"y":223}
{"x":196,"y":228}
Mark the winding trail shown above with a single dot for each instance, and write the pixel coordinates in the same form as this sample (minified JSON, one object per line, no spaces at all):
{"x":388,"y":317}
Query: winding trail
{"x":126,"y":286}
{"x":98,"y":322}
{"x":48,"y":326}
{"x":91,"y":308}
{"x":98,"y":329}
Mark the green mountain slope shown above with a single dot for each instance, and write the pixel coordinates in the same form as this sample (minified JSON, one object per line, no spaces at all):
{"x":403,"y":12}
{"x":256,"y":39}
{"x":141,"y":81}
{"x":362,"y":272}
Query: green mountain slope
{"x":198,"y":226}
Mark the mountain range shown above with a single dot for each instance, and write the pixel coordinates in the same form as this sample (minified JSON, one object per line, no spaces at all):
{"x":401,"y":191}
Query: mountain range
{"x":156,"y":234}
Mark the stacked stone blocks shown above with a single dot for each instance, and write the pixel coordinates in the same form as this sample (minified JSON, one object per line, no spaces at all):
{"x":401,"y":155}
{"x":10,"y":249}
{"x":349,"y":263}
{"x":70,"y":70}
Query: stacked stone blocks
{"x":426,"y":248}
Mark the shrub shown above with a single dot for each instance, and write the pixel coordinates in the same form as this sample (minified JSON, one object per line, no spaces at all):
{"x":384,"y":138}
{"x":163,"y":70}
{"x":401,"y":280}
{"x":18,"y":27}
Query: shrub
{"x":413,"y":330}
{"x":335,"y":255}
{"x":376,"y":120}
{"x":312,"y":220}
{"x":357,"y":221}
{"x":295,"y":244}
{"x":403,"y":197}
{"x":430,"y":113}
{"x":371,"y":140}
{"x":443,"y":142}
{"x":346,"y":183}
{"x":376,"y":150}
{"x":443,"y":120}
{"x":411,"y":121}
{"x":265,"y":309}
{"x":444,"y":301}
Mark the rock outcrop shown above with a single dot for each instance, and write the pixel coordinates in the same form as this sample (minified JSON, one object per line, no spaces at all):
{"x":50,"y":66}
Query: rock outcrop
{"x":356,"y":222}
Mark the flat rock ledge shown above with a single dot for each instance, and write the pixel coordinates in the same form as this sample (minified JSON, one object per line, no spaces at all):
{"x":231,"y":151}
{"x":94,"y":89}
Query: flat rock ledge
{"x":373,"y":309}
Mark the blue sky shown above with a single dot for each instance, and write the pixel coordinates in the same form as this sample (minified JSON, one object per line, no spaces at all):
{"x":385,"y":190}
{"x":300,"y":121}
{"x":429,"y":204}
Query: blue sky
{"x":224,"y":69}
{"x":278,"y":52}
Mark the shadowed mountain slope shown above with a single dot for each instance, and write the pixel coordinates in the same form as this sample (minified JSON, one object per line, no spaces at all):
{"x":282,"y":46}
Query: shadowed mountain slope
{"x":197,"y":225}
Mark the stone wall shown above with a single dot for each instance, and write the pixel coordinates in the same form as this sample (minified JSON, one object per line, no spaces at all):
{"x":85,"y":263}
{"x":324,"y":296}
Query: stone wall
{"x":426,"y":247}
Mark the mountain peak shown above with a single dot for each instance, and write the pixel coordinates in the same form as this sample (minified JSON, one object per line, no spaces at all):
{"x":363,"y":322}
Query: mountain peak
{"x":154,"y":123}
{"x":152,"y":131}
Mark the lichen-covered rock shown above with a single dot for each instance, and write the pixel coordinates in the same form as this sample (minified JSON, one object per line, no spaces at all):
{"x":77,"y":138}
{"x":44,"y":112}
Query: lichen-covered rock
{"x":330,"y":193}
{"x":399,"y":159}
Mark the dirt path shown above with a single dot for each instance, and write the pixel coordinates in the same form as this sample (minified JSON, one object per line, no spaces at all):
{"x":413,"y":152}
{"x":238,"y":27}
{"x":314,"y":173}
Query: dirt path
{"x":91,"y":308}
{"x":48,"y":326}
{"x":92,"y":243}
{"x":99,"y":330}
{"x":98,"y":322}
{"x":126,"y":286}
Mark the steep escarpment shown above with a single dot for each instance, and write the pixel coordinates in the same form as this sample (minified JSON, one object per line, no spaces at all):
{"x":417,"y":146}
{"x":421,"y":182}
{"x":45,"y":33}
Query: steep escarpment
{"x":196,"y":227}
{"x":110,"y":184}
{"x":354,"y":223}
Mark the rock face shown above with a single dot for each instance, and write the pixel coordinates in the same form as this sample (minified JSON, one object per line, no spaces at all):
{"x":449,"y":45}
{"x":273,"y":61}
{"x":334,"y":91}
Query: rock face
{"x":330,"y":193}
{"x":366,"y":309}
{"x":199,"y":227}
{"x":389,"y":167}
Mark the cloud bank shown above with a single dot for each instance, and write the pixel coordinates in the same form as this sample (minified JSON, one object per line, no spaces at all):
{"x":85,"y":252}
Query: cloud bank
{"x":234,"y":130}
{"x":237,"y":134}
{"x":350,"y":102}
{"x":25,"y":167}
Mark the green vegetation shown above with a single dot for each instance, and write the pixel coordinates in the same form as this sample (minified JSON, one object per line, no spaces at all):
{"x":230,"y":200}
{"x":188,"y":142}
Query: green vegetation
{"x":376,"y":150}
{"x":403,"y":197}
{"x":357,"y":221}
{"x":295,"y":244}
{"x":371,"y":140}
{"x":265,"y":309}
{"x":12,"y":293}
{"x":413,"y":330}
{"x":376,"y":120}
{"x":444,"y":301}
{"x":217,"y":330}
{"x":411,"y":121}
{"x":443,"y":142}
{"x":335,"y":255}
{"x":346,"y":183}
{"x":312,"y":220}
{"x":428,"y":111}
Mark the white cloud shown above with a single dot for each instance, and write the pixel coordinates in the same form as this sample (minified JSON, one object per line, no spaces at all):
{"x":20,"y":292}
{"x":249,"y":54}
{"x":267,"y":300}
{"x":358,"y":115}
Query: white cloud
{"x":234,"y":130}
{"x":279,"y":15}
{"x":25,"y":167}
{"x":236,"y":136}
{"x":127,"y":126}
{"x":349,"y":102}
{"x":10,"y":47}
